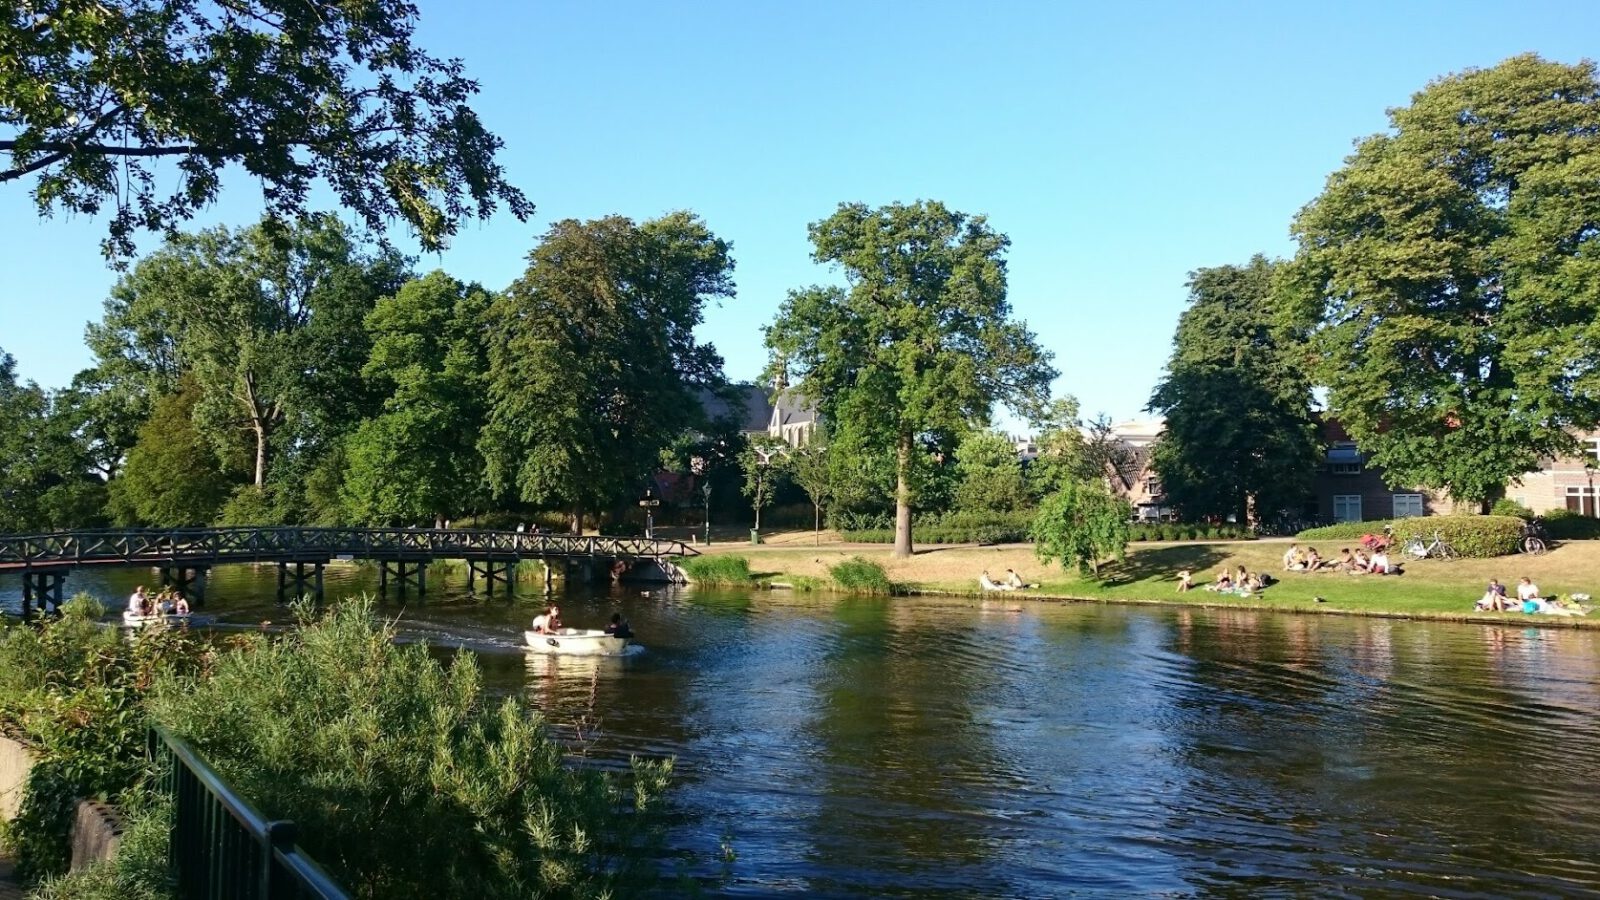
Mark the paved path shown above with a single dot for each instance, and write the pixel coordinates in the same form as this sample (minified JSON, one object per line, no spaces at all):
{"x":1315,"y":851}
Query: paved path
{"x":9,"y":889}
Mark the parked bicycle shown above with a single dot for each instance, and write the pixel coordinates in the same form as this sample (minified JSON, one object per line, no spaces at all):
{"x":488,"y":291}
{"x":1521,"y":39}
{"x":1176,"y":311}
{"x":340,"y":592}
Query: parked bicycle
{"x":1534,"y":541}
{"x":1419,"y":547}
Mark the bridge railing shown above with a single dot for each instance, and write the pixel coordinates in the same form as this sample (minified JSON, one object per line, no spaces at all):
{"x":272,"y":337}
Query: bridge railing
{"x":222,"y":846}
{"x":247,"y":544}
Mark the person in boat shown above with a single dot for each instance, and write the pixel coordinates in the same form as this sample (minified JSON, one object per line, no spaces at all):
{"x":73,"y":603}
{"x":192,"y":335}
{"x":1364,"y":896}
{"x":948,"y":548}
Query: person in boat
{"x":136,"y":601}
{"x":549,"y":621}
{"x":180,"y":604}
{"x":618,"y":627}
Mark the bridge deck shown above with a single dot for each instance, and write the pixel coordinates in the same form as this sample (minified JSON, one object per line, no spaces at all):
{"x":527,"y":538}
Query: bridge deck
{"x":222,"y":546}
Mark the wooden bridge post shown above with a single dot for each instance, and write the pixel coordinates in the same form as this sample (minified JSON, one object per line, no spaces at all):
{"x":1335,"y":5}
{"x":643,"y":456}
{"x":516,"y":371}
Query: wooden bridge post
{"x":304,"y":581}
{"x":189,"y":581}
{"x":406,"y":573}
{"x":43,"y":586}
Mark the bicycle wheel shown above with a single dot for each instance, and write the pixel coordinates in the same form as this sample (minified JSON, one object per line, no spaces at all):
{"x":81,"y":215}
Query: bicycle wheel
{"x":1416,"y":549}
{"x":1445,"y":551}
{"x":1533,"y":546}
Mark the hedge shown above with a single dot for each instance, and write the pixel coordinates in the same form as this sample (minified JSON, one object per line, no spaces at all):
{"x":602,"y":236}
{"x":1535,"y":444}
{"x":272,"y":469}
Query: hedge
{"x":1480,"y":537}
{"x":953,"y":528}
{"x":1183,"y":531}
{"x":1566,"y":525}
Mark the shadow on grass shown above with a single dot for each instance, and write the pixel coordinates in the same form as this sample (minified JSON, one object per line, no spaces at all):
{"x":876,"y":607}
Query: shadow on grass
{"x":1164,"y":563}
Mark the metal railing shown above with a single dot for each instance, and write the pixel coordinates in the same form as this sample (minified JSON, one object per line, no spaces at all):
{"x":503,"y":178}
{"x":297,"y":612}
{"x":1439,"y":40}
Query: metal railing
{"x":222,"y":846}
{"x":217,"y":546}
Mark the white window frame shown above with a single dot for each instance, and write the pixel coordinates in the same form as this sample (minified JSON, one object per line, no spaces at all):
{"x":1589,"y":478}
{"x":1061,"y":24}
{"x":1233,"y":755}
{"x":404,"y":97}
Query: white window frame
{"x":1413,"y":501}
{"x":1592,"y":449}
{"x":1588,"y":499}
{"x":1345,"y":501}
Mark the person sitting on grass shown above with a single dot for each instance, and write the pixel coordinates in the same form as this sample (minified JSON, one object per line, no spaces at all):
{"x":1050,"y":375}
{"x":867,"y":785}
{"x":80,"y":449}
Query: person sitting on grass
{"x":1016,"y":582}
{"x":1224,"y":582}
{"x":989,"y":584}
{"x":1362,"y":563}
{"x":1313,"y":559}
{"x":1292,"y":560}
{"x":1494,"y":597}
{"x":1185,"y":581}
{"x":1527,"y":590}
{"x":1380,"y":563}
{"x":1345,"y":562}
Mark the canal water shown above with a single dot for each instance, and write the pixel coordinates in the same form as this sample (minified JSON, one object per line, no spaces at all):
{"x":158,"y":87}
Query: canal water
{"x":920,"y":748}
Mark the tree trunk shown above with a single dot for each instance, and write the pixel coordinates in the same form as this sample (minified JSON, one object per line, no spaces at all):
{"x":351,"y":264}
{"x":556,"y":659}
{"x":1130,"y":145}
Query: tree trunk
{"x":757,"y":505}
{"x":816,"y":524}
{"x":260,"y":428}
{"x":577,"y":518}
{"x":902,"y":499}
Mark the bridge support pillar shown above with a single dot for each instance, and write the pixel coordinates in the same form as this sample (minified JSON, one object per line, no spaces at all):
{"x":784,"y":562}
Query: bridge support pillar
{"x":299,"y":578}
{"x":44,"y":587}
{"x":503,"y":571}
{"x":190,"y":581}
{"x":406,"y":573}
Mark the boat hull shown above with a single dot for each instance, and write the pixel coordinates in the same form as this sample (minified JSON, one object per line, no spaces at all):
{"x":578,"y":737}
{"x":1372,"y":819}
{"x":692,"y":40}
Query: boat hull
{"x":130,"y":620}
{"x":576,"y":642}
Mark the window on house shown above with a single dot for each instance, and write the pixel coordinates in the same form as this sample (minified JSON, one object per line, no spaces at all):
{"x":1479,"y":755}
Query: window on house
{"x":1406,"y":505}
{"x":1152,"y":487}
{"x":1581,"y":500}
{"x":1347,"y":507}
{"x":1344,"y":459}
{"x":1591,"y":449}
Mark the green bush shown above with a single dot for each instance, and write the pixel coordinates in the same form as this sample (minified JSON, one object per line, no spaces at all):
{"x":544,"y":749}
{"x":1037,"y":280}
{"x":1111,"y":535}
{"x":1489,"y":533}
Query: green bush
{"x":622,"y":529}
{"x":716,"y":568}
{"x":1505,"y":506}
{"x":137,"y":872}
{"x":1566,"y":525}
{"x":74,"y":690}
{"x":861,"y":576}
{"x":404,"y":778}
{"x":1480,"y":537}
{"x":1343,"y":531}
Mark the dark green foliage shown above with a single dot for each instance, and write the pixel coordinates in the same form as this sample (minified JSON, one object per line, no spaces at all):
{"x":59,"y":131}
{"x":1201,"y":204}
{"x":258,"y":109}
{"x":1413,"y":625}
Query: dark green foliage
{"x":717,"y":569}
{"x":1345,"y":530}
{"x":1239,"y":437}
{"x":1083,"y":524}
{"x":251,"y":505}
{"x":1448,"y":274}
{"x":1152,"y":531}
{"x":989,"y":474}
{"x":97,"y":96}
{"x":74,"y":690}
{"x":1566,"y":525}
{"x":417,"y":461}
{"x":405,"y":780}
{"x":861,"y":576}
{"x":172,"y":477}
{"x":951,"y":528}
{"x":594,"y":367}
{"x":920,"y":347}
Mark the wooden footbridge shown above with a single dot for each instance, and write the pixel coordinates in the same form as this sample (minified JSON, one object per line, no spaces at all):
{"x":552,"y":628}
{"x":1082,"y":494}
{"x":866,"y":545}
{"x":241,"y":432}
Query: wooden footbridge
{"x":186,"y":555}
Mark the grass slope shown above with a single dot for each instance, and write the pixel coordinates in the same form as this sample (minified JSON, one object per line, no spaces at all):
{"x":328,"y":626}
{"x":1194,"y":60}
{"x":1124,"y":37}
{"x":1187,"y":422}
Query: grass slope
{"x":1429,"y":587}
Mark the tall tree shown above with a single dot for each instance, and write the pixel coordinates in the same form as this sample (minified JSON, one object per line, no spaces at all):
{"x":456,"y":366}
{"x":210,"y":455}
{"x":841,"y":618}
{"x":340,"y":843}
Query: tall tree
{"x":920,"y":346}
{"x":418,"y":460}
{"x":765,"y":463}
{"x":173,"y":476}
{"x":267,"y":322}
{"x":1239,"y":435}
{"x":594,"y":368}
{"x":23,"y":411}
{"x":989,"y":474}
{"x":94,"y":96}
{"x":1450,"y":274}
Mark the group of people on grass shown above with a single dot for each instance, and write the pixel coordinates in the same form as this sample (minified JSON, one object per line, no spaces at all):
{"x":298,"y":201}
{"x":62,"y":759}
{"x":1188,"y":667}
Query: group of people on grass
{"x":1241,"y":581}
{"x":1012,"y":582}
{"x":167,"y":602}
{"x":1529,"y":600}
{"x":1360,"y":561}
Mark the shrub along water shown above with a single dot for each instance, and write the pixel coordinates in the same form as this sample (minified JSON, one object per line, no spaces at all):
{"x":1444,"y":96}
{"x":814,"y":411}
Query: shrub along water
{"x":861,"y":576}
{"x":717,"y":569}
{"x":404,"y":780}
{"x":74,"y":689}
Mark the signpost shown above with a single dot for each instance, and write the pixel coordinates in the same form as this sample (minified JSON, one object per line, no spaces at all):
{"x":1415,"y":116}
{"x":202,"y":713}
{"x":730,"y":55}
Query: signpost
{"x":706,"y":490}
{"x":649,"y":503}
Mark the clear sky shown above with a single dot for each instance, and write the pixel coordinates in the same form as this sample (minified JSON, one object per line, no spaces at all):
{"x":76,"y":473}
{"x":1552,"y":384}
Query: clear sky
{"x":1119,"y":145}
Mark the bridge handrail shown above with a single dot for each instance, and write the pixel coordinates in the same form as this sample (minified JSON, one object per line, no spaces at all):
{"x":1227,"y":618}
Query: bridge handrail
{"x":250,"y":543}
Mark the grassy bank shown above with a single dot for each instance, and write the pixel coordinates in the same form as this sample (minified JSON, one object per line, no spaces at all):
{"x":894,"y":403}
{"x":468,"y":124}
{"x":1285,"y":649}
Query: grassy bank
{"x":1429,"y":588}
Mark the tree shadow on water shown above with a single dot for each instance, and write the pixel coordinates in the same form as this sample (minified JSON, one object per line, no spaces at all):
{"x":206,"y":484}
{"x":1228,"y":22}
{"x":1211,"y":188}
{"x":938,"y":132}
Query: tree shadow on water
{"x":1164,"y":563}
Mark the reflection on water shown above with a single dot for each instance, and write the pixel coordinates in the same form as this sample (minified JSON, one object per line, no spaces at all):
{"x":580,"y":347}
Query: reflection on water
{"x":914,"y":747}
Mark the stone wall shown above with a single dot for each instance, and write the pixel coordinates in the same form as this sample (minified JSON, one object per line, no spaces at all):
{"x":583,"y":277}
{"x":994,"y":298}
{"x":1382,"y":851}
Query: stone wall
{"x":16,"y":761}
{"x":96,"y":834}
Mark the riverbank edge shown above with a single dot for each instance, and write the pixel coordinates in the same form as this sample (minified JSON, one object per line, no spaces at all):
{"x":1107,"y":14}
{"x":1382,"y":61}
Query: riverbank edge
{"x":1506,"y":619}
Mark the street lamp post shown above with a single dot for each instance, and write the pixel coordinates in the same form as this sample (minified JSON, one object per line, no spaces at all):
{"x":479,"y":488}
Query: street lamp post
{"x":1591,"y":502}
{"x":649,"y":503}
{"x":705,"y":489}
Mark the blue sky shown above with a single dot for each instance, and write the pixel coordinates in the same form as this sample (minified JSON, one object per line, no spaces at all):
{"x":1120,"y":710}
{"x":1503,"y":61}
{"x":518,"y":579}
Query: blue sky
{"x":1119,"y":146}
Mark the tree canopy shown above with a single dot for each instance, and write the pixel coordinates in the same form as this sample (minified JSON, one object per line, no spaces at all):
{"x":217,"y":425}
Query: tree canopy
{"x":1450,"y":274}
{"x":93,"y":97}
{"x":594,"y":367}
{"x":418,"y":460}
{"x":920,"y":346}
{"x":1239,"y":436}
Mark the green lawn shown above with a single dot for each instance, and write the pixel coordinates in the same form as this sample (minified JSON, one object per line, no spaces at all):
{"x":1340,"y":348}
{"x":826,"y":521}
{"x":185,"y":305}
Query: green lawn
{"x":1430,"y":588}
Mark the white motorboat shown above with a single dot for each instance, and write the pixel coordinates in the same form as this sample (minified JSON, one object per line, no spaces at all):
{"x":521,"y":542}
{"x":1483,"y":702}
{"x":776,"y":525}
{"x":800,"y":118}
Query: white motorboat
{"x":576,"y":642}
{"x":131,"y":619}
